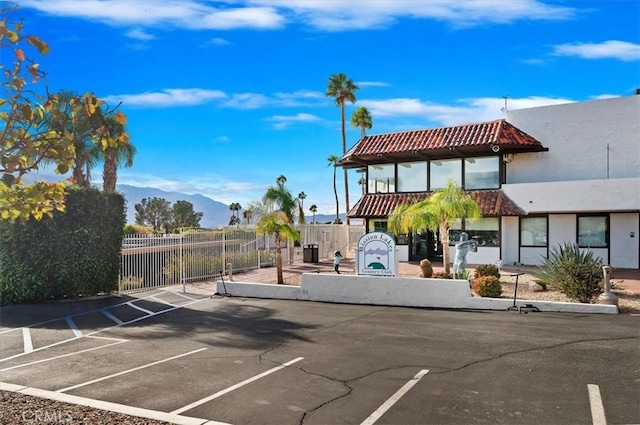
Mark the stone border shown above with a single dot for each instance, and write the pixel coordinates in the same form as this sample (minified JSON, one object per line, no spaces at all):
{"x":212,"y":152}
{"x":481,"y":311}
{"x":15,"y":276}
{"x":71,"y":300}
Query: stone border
{"x":395,"y":291}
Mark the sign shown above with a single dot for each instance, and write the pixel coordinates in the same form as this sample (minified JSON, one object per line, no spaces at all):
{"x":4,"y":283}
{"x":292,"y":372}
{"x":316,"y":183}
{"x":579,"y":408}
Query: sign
{"x":376,"y":255}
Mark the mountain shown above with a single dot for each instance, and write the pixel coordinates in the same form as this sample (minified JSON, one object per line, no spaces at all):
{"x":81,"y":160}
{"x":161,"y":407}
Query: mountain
{"x":214,"y":213}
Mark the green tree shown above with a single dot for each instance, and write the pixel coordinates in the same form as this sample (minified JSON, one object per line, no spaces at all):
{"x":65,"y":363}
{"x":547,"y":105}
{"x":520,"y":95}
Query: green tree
{"x":436,"y":213}
{"x":154,"y":212}
{"x":301,"y":197}
{"x":279,"y":197}
{"x":235,"y":207}
{"x":248,"y":214}
{"x":26,"y":140}
{"x":276,"y":223}
{"x":313,"y":209}
{"x":363,"y":185}
{"x":333,"y":161}
{"x":115,"y":154}
{"x":183,"y":215}
{"x":361,"y":119}
{"x":342,"y":89}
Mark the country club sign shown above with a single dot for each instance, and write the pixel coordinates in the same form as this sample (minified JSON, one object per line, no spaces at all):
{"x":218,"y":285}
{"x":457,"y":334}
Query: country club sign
{"x":376,"y":255}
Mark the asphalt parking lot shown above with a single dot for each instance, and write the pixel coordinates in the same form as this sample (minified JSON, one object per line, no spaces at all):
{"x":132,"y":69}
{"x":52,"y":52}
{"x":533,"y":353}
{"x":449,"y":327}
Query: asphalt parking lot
{"x":249,"y":361}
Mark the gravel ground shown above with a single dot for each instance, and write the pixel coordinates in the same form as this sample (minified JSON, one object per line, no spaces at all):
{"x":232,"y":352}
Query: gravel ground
{"x":22,"y":409}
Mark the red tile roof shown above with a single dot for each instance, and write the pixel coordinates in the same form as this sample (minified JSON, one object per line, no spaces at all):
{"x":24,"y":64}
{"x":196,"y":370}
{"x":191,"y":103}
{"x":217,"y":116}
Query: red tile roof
{"x":493,"y":203}
{"x":477,"y":138}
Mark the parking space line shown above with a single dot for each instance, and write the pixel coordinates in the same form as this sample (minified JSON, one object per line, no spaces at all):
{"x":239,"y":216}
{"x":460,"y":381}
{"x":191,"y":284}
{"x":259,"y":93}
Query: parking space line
{"x":73,"y":387}
{"x":116,"y":342}
{"x":137,"y":307}
{"x":26,"y":336}
{"x":183,"y":295}
{"x":597,"y":408}
{"x":111,"y":316}
{"x":394,"y":398}
{"x":234,"y":387}
{"x":160,"y":300}
{"x":77,"y":332}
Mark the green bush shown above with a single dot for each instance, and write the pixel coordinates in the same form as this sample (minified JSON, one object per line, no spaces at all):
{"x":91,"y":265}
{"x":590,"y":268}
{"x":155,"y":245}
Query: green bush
{"x":576,"y":273}
{"x":72,"y":254}
{"x":487,"y":286}
{"x":487,"y":270}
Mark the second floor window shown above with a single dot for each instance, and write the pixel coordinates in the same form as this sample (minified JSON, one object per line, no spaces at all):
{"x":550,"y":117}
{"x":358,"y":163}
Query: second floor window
{"x":412,"y":177}
{"x":381,"y":178}
{"x":442,"y":171}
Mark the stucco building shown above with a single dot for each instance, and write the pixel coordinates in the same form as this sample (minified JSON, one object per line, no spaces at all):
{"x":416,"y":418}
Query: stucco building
{"x":542,"y":176}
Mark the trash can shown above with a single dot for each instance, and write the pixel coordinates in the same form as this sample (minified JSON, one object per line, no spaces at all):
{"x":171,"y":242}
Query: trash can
{"x":310,"y":253}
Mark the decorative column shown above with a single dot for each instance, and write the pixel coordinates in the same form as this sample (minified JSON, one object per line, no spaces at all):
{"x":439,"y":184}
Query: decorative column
{"x":607,"y":297}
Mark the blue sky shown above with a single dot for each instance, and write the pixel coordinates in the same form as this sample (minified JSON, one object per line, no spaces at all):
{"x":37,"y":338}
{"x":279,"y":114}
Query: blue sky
{"x":222,"y":97}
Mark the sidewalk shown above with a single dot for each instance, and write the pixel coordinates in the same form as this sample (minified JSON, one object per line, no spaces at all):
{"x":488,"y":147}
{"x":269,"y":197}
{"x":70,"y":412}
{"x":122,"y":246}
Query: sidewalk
{"x":627,"y":279}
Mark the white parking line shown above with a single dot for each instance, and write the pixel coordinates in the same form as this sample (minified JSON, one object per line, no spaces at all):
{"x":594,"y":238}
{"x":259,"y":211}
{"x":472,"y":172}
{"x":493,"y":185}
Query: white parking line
{"x":26,"y":336}
{"x":111,"y":316}
{"x":183,"y":296}
{"x":117,"y":341}
{"x":234,"y":387}
{"x":394,"y":398}
{"x":128,"y":371}
{"x":137,"y":307}
{"x":160,"y":300}
{"x":597,"y":409}
{"x":77,"y":332}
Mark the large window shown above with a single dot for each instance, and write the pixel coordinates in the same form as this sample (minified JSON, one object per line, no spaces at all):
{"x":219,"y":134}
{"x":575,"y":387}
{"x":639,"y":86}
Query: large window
{"x":485,"y":231}
{"x":482,"y":173}
{"x":412,"y":177}
{"x":593,"y":231}
{"x":533,"y":231}
{"x":443,"y":170}
{"x":381,"y":178}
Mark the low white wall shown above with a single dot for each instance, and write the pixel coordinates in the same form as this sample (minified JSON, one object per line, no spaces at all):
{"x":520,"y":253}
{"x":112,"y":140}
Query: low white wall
{"x":394,"y":291}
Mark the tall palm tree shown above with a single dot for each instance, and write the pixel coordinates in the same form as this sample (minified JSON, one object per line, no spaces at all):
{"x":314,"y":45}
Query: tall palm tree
{"x":301,"y":197}
{"x":248,"y":214}
{"x":363,"y":185}
{"x":343,"y":89}
{"x":280,"y":198}
{"x":436,"y":213}
{"x":119,"y":151}
{"x":333,"y":161}
{"x":313,"y":209}
{"x":361,"y":119}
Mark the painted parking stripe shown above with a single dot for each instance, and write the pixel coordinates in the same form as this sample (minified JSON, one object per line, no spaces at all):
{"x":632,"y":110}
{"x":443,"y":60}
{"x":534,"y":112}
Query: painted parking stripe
{"x":137,"y":307}
{"x":111,"y":316}
{"x":74,"y":328}
{"x":115,"y":342}
{"x":394,"y":398}
{"x":597,"y":408}
{"x":26,"y":337}
{"x":183,"y":296}
{"x":129,"y":370}
{"x":235,"y":387}
{"x":160,"y":300}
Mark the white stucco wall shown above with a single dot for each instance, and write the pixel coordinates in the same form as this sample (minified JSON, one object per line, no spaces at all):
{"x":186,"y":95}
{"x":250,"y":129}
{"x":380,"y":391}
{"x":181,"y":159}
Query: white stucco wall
{"x":625,"y":240}
{"x":577,"y":135}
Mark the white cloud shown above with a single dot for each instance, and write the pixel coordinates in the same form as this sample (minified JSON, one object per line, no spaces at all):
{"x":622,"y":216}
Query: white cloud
{"x":346,"y":15}
{"x":216,"y":41}
{"x":247,"y":101}
{"x":611,"y":49}
{"x":139,"y":34}
{"x":283,"y":121}
{"x":167,"y":98}
{"x":372,"y":84}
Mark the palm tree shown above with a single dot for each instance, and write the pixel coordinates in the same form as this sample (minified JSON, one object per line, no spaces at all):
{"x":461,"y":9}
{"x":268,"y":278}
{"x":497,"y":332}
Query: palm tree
{"x":361,"y":119}
{"x":313,"y":209}
{"x":301,"y":197}
{"x":342,"y":89}
{"x":248,"y":214}
{"x":363,"y":185}
{"x":436,"y":213}
{"x":279,"y":198}
{"x":333,"y":161}
{"x":119,"y":150}
{"x":276,"y":223}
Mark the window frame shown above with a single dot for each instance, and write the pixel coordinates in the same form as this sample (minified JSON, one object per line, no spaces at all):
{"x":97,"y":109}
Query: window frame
{"x":607,"y":231}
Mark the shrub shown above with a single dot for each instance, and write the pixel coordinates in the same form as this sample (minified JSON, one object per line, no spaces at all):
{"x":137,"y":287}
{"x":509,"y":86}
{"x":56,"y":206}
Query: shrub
{"x":576,"y":273}
{"x":487,"y":270}
{"x":487,"y":286}
{"x":442,"y":275}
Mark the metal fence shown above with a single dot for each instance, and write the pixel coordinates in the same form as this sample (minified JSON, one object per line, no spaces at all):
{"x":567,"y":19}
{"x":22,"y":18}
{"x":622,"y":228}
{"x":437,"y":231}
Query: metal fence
{"x":155,"y":261}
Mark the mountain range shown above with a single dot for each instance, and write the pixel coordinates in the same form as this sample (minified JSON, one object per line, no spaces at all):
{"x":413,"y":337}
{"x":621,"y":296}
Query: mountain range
{"x":214,"y":214}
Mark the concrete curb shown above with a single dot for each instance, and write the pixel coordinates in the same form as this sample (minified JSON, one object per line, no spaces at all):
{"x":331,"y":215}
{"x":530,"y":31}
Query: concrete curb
{"x":395,"y":291}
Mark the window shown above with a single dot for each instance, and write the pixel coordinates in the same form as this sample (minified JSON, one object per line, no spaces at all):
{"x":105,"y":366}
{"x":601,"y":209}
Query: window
{"x":443,"y":170}
{"x":482,"y":173}
{"x":485,"y":231}
{"x":412,"y":177}
{"x":533,"y":231}
{"x":381,"y":178}
{"x":593,"y":231}
{"x":377,"y":226}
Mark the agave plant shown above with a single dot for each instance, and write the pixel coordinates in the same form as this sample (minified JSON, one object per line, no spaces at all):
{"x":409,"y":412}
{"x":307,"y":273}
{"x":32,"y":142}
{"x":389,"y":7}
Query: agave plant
{"x":577,"y":273}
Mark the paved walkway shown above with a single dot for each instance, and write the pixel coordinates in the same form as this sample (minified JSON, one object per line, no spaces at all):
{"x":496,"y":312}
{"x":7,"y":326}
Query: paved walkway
{"x":627,"y":279}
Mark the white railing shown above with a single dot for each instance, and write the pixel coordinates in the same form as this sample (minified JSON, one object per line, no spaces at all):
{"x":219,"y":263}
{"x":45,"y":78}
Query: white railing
{"x":150,"y":262}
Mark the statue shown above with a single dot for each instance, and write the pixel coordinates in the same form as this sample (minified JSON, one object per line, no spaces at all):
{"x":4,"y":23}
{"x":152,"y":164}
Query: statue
{"x":460,"y":259}
{"x":426,"y":268}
